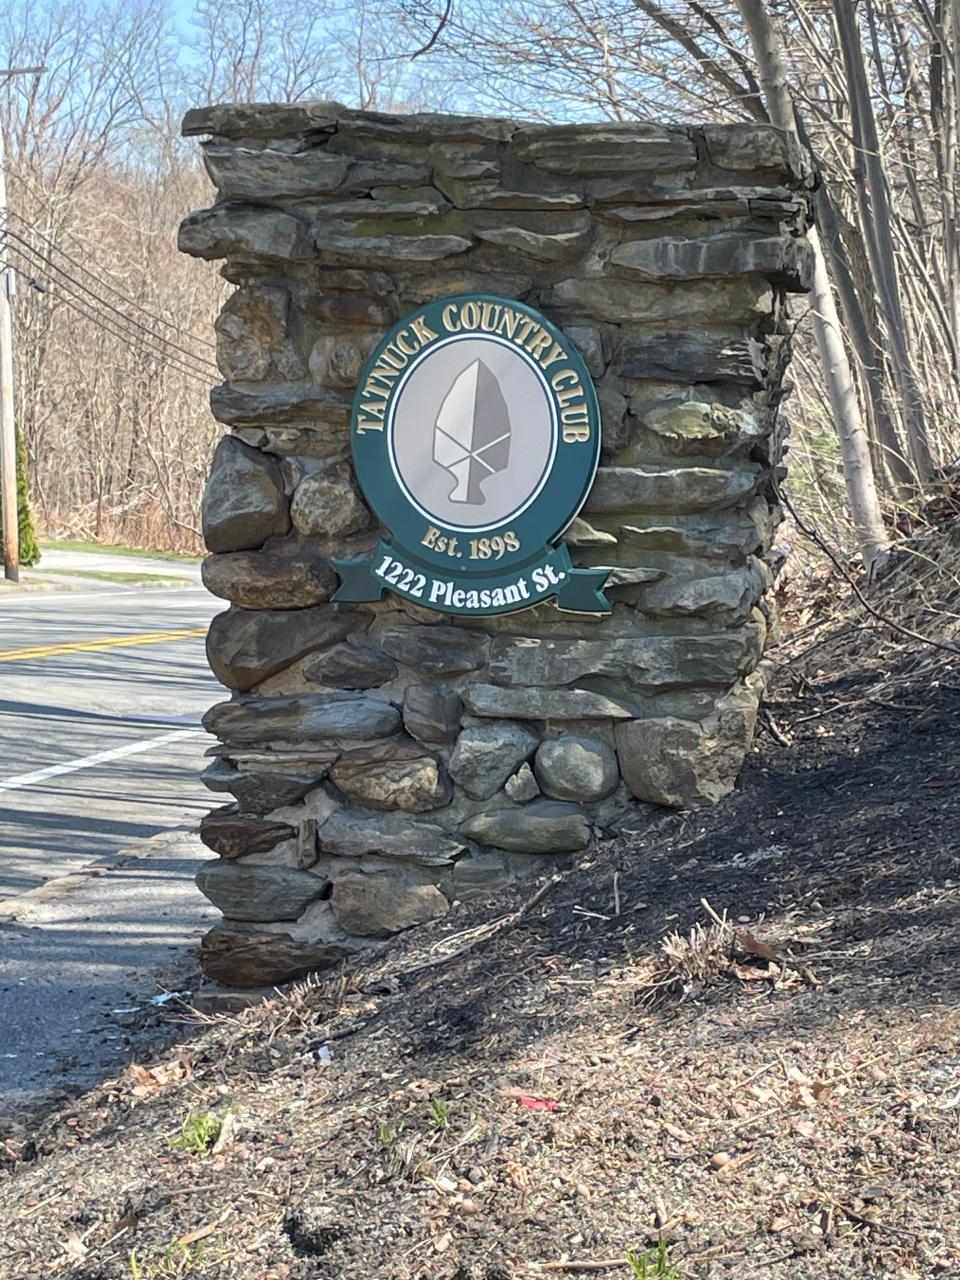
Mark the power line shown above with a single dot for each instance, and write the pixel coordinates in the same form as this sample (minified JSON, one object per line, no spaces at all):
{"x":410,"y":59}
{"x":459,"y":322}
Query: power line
{"x":200,"y":363}
{"x":111,"y":288}
{"x":81,"y":307}
{"x":77,"y":304}
{"x":133,"y":342}
{"x":105,"y":284}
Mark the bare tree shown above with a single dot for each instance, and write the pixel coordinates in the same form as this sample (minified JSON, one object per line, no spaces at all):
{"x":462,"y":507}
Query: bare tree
{"x":896,"y":285}
{"x":876,"y":222}
{"x":115,"y":356}
{"x":854,"y":443}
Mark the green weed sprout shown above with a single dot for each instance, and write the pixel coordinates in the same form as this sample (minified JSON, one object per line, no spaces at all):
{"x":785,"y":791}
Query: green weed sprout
{"x":198,"y":1133}
{"x":650,"y":1264}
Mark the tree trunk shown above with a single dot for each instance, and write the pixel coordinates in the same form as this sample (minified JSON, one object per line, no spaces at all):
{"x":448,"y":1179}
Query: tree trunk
{"x":951,"y":195}
{"x":873,"y":197}
{"x":854,"y":442}
{"x":841,"y":388}
{"x":859,"y":329}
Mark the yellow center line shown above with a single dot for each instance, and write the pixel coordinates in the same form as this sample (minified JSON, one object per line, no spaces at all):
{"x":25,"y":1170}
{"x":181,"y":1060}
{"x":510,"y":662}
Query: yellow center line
{"x":82,"y":646}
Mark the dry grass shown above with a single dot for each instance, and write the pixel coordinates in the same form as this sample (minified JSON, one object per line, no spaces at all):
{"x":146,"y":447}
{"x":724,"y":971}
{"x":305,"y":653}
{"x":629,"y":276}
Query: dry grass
{"x":686,"y":962}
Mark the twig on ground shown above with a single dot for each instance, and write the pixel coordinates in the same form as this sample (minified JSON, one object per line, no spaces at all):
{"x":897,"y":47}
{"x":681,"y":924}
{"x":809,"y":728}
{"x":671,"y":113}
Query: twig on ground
{"x":774,"y":729}
{"x":588,"y":1264}
{"x":811,"y":533}
{"x":864,"y":1221}
{"x":490,"y":931}
{"x":719,"y":921}
{"x":593,"y":915}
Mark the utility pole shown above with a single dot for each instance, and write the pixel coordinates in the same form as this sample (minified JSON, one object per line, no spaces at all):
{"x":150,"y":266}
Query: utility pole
{"x":8,"y":429}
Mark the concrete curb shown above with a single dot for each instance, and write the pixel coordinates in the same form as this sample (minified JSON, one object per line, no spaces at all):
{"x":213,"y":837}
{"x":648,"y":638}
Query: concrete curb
{"x":20,"y":904}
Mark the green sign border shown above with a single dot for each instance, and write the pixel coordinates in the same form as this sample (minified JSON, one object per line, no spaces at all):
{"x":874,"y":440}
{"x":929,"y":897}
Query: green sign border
{"x":438,"y":573}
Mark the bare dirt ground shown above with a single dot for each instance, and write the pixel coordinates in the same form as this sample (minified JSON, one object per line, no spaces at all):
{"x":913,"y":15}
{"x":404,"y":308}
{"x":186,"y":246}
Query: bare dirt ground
{"x":535,"y":1086}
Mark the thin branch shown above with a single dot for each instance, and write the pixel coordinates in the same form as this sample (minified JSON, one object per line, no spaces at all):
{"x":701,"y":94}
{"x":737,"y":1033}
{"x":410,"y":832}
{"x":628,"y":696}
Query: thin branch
{"x":437,"y":32}
{"x":809,"y":532}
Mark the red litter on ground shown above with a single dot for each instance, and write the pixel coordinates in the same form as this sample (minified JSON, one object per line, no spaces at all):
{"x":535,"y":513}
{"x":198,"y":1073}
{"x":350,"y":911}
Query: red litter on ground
{"x":537,"y":1104}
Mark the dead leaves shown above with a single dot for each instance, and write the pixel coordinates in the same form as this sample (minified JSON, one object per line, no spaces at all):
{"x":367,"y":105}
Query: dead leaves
{"x":74,"y":1248}
{"x":147,"y":1079}
{"x":796,"y":1092}
{"x":517,"y":1176}
{"x":810,"y":1092}
{"x":754,"y":946}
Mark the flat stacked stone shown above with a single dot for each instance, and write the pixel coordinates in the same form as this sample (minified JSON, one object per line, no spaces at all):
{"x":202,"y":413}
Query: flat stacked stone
{"x":385,"y":761}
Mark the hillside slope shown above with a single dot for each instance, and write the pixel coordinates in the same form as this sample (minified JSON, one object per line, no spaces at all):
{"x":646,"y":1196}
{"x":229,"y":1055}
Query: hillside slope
{"x":544,"y":1083}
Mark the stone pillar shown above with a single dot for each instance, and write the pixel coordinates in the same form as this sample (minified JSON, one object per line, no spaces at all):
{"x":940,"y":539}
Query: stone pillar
{"x":383,"y":761}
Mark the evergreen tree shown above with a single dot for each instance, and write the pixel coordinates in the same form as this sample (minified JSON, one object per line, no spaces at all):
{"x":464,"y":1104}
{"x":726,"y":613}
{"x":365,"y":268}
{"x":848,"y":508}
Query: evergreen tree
{"x":29,"y":551}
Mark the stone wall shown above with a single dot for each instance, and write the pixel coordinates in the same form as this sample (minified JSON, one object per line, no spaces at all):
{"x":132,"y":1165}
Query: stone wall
{"x":384,"y":761}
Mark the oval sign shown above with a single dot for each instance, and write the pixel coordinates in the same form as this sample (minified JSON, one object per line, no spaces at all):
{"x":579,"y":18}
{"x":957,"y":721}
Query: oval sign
{"x":475,"y":438}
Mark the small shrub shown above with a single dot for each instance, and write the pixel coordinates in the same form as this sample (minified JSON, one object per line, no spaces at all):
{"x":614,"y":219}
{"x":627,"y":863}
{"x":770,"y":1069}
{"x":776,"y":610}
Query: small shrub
{"x":687,"y":962}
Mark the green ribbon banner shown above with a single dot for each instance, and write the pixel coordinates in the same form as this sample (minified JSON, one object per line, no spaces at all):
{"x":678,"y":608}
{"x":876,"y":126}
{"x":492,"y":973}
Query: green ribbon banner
{"x":548,"y":574}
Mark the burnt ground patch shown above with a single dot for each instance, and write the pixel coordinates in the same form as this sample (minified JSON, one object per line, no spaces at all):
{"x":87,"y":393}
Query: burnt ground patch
{"x":509,"y":1093}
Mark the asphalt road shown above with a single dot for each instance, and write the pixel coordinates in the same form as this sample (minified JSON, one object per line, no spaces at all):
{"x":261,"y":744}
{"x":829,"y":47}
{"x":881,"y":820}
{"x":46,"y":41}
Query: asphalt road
{"x":101,"y":692}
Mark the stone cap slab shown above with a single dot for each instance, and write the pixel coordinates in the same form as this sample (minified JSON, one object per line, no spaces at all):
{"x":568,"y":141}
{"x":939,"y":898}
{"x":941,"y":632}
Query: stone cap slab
{"x":271,"y":120}
{"x":579,"y":148}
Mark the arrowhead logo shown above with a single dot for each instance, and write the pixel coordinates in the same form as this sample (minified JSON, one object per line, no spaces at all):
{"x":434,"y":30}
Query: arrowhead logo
{"x":472,"y":433}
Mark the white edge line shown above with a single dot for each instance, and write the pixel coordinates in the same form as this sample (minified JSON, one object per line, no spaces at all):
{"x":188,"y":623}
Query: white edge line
{"x":40,"y":597}
{"x":101,"y":757}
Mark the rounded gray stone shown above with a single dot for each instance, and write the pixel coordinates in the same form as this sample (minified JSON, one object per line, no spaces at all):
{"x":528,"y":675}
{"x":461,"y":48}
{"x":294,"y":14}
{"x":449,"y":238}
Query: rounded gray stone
{"x":326,"y":504}
{"x":335,"y":362}
{"x":247,"y":646}
{"x":379,"y":906}
{"x":586,"y":338}
{"x":243,"y":503}
{"x":241,"y":954}
{"x":575,"y":768}
{"x":431,"y":712}
{"x":544,"y":826}
{"x":259,"y":580}
{"x":392,"y":775}
{"x":683,"y":763}
{"x":485,"y":757}
{"x":258,"y":893}
{"x":253,"y":336}
{"x":350,"y":666}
